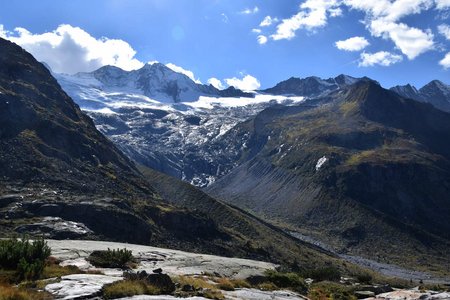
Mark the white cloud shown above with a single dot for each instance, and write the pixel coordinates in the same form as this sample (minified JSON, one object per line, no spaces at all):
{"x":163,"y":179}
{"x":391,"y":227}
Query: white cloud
{"x":381,"y":58}
{"x":312,"y":14}
{"x":445,"y":62}
{"x":390,"y":10}
{"x":224,"y":18}
{"x":268,"y":20}
{"x":382,"y":20}
{"x":216,"y":83}
{"x":70,"y":49}
{"x":356,"y":43}
{"x":335,"y":12}
{"x":262,"y":39}
{"x":444,"y":29}
{"x":2,"y":31}
{"x":256,"y":30}
{"x":442,"y":4}
{"x":250,"y":11}
{"x":411,"y":41}
{"x":247,"y":83}
{"x":181,"y":70}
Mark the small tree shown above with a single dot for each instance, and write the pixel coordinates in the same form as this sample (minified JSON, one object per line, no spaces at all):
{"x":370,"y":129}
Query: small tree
{"x":25,"y":257}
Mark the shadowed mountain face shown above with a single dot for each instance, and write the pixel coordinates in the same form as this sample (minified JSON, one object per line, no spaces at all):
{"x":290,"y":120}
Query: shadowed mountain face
{"x":362,"y":168}
{"x":44,"y":136}
{"x":61,"y":178}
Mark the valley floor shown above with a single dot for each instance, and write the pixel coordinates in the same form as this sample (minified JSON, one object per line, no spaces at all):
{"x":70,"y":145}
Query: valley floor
{"x":389,"y":270}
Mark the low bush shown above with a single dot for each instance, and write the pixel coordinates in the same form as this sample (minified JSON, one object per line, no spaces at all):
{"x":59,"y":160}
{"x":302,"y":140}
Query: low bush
{"x":330,"y":290}
{"x":119,"y":258}
{"x":225,"y":284}
{"x":365,"y":278}
{"x":322,"y":274}
{"x":195,"y":282}
{"x":286,"y":280}
{"x":25,"y":257}
{"x":128,"y":288}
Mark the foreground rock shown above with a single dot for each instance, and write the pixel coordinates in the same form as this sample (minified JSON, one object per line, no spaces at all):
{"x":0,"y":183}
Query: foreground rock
{"x":79,"y":286}
{"x":173,"y":262}
{"x":413,"y":294}
{"x":254,"y":294}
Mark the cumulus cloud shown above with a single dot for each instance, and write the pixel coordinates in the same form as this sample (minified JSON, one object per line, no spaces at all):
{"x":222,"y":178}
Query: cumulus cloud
{"x":335,"y":12}
{"x":445,"y":62}
{"x":356,"y":43}
{"x":247,"y":83}
{"x":411,"y":41}
{"x":312,"y":14}
{"x":383,"y":19}
{"x":381,"y":58}
{"x":262,"y":39}
{"x":2,"y":31}
{"x":444,"y":29}
{"x":217,"y":83}
{"x":268,"y":20}
{"x":250,"y":11}
{"x":70,"y":49}
{"x":181,"y":70}
{"x":442,"y":4}
{"x":256,"y":30}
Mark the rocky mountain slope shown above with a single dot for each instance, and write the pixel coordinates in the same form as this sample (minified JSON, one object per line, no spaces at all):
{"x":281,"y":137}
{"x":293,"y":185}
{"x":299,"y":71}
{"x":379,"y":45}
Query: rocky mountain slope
{"x":436,"y":92}
{"x":355,"y":169}
{"x":62,"y":178}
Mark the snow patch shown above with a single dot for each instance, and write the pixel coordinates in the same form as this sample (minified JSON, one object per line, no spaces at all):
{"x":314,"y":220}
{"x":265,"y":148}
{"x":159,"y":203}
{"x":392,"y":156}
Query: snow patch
{"x":320,"y":162}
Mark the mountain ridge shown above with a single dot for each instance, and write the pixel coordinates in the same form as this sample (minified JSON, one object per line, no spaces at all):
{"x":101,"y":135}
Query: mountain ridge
{"x":435,"y":92}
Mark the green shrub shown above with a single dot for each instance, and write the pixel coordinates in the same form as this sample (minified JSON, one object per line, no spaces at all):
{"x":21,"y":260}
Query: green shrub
{"x":27,"y":258}
{"x":364,"y":278}
{"x":286,"y":280}
{"x":322,"y":274}
{"x":330,"y":290}
{"x":119,"y":258}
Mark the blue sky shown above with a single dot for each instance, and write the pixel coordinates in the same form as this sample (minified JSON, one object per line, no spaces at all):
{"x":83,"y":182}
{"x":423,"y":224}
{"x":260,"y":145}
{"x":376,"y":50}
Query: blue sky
{"x":394,"y":42}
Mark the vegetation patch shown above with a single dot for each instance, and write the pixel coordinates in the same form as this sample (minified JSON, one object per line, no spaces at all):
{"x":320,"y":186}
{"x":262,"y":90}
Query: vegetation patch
{"x":291,"y":281}
{"x":330,"y":290}
{"x":128,"y":288}
{"x":116,"y":258}
{"x":8,"y":292}
{"x":322,"y":274}
{"x":26,"y":258}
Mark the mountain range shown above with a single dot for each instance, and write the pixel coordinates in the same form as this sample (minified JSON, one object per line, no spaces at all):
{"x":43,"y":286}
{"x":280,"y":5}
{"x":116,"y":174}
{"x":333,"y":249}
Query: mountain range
{"x":341,"y":160}
{"x":61,"y":178}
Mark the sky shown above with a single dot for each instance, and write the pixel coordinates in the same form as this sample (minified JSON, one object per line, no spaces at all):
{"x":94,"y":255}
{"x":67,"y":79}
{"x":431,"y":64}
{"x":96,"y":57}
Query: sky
{"x":249,"y":44}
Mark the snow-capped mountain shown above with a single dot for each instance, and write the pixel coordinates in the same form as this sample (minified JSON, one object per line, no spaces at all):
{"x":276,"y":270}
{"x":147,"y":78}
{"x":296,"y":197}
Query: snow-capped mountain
{"x":164,"y":120}
{"x":435,"y":92}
